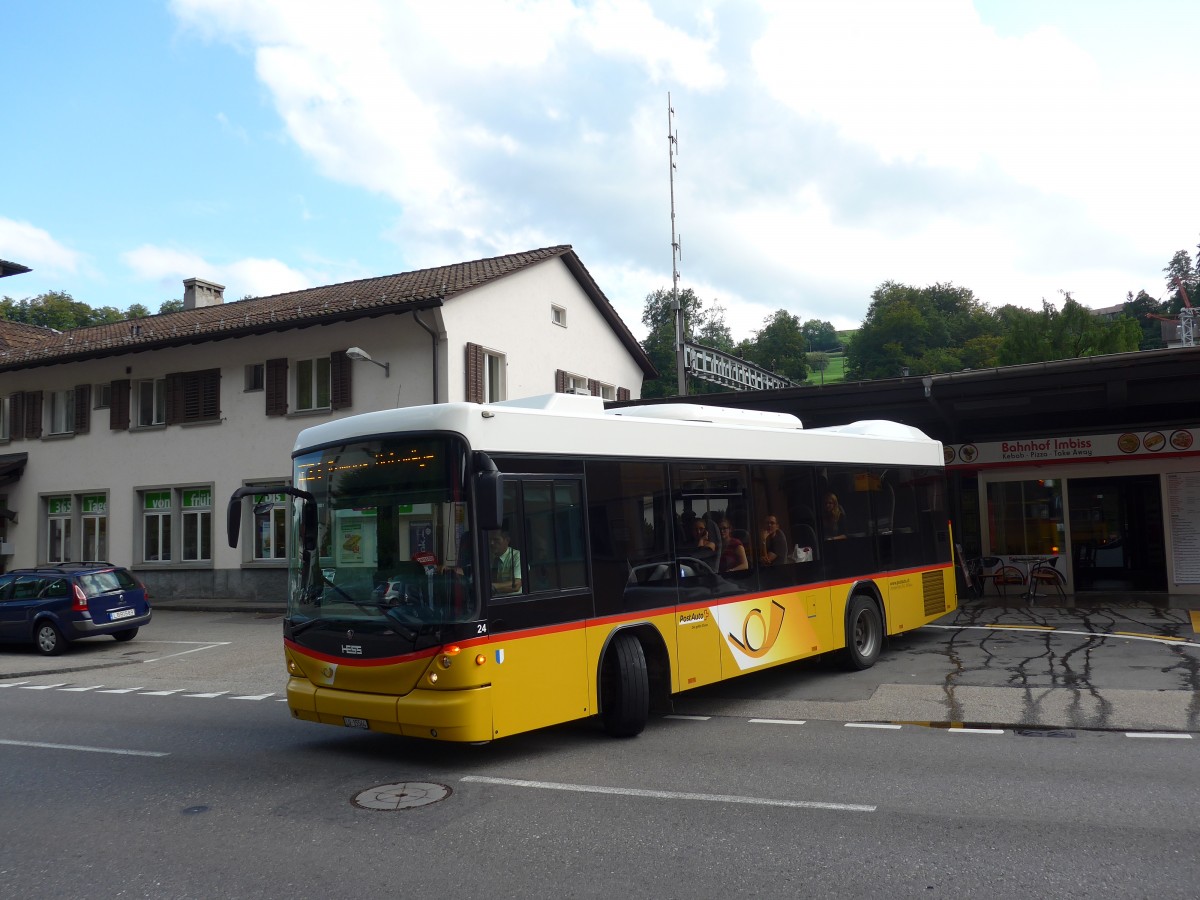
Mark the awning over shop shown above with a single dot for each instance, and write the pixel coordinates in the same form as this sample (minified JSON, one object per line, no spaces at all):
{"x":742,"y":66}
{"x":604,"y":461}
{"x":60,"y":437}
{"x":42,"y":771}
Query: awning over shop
{"x":12,"y":465}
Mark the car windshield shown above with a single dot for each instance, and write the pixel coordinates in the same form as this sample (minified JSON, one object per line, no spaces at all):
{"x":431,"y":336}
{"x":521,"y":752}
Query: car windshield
{"x":392,"y":516}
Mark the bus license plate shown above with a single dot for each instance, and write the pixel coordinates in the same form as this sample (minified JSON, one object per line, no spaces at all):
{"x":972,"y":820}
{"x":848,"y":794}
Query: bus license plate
{"x":355,"y":723}
{"x":121,"y":614}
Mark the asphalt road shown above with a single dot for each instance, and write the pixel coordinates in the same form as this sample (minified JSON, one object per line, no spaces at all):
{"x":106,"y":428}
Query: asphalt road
{"x":168,"y":767}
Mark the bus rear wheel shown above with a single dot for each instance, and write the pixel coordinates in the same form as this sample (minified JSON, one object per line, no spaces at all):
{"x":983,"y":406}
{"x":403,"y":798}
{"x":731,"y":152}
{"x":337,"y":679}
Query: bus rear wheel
{"x":625,"y":687}
{"x":864,"y":633}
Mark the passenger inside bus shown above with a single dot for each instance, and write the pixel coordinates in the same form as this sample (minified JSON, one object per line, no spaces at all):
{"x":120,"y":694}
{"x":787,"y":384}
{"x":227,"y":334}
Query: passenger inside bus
{"x":773,"y":549}
{"x":833,"y":518}
{"x":506,"y":564}
{"x":733,"y":551}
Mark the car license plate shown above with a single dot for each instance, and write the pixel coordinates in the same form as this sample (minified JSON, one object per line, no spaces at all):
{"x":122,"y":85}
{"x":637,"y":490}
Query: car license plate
{"x":355,"y":723}
{"x":121,"y":613}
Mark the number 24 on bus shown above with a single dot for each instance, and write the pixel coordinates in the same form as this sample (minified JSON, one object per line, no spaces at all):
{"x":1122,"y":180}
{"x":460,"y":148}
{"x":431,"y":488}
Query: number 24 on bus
{"x":464,"y":572}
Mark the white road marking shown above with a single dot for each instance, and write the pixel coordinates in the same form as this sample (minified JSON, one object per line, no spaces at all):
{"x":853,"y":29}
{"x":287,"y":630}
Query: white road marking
{"x":13,"y":683}
{"x":1157,"y":734}
{"x":121,"y":690}
{"x":777,"y":721}
{"x":977,"y":730}
{"x":92,"y":688}
{"x":212,"y":694}
{"x":43,"y":687}
{"x":689,"y":718}
{"x":666,"y":795}
{"x":889,"y":725}
{"x":162,"y":693}
{"x":254,"y":696}
{"x":43,"y":746}
{"x":206,"y":645}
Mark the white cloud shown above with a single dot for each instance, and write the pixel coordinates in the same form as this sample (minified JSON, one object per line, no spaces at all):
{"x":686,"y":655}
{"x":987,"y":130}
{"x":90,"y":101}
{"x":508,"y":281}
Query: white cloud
{"x":168,"y":268}
{"x":28,"y":245}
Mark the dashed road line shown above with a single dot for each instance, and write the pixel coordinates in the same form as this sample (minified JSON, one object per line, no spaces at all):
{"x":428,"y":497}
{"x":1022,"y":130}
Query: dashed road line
{"x":777,"y":721}
{"x":1162,"y":735}
{"x":891,"y":726}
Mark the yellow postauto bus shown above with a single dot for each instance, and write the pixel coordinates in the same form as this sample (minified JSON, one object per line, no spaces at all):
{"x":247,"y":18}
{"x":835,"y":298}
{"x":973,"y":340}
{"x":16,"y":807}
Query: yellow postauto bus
{"x":468,"y":571}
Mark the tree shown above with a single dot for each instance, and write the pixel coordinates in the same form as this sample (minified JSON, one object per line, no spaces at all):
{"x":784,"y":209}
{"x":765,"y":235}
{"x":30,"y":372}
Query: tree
{"x":779,"y":346}
{"x":820,"y":335}
{"x":1179,"y":269}
{"x":57,"y":310}
{"x":170,"y":306}
{"x":1140,"y":309}
{"x":700,"y":326}
{"x":1069,"y":333}
{"x":919,"y":331}
{"x":818,"y":361}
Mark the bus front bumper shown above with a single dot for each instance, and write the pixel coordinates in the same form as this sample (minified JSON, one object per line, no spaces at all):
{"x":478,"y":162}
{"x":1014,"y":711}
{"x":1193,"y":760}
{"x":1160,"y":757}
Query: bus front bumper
{"x":464,"y":715}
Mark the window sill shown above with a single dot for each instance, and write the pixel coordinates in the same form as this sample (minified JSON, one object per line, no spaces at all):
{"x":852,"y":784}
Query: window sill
{"x":158,"y":426}
{"x":200,"y":423}
{"x":309,"y":413}
{"x":62,"y":436}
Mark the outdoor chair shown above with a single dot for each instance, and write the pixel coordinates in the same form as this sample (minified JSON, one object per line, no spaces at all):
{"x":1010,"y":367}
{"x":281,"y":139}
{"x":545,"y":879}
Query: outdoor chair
{"x":1046,"y":572}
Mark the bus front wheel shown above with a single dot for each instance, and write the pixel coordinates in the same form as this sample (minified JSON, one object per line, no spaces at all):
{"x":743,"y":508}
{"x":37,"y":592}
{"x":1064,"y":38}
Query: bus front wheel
{"x":625,"y":687}
{"x":864,"y":633}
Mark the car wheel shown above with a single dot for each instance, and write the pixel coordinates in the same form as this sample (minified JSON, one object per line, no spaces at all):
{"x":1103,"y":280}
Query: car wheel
{"x":127,"y":635}
{"x":625,"y":687}
{"x":864,"y":633}
{"x":48,"y":639}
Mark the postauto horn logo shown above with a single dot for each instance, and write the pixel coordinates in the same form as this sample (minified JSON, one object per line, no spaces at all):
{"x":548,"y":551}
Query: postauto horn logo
{"x":759,"y":635}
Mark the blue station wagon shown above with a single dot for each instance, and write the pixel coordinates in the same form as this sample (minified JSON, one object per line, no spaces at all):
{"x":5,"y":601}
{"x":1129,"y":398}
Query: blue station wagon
{"x":52,"y":605}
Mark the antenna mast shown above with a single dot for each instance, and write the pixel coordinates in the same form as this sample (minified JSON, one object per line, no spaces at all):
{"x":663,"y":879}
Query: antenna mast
{"x":676,"y":306}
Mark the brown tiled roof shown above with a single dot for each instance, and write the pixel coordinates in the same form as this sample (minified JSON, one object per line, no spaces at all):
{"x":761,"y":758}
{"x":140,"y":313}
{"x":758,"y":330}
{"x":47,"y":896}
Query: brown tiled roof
{"x":388,"y":294}
{"x":18,"y":335}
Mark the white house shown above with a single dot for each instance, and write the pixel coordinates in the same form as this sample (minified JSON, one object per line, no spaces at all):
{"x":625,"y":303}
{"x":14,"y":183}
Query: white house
{"x":123,"y":441}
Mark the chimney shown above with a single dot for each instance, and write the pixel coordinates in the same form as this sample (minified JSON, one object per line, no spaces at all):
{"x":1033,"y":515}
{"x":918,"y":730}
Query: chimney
{"x":197,"y":293}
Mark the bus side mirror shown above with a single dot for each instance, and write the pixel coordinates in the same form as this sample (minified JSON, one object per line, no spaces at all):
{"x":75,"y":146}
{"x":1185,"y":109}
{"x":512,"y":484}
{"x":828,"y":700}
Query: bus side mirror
{"x":489,"y":500}
{"x":308,"y":526}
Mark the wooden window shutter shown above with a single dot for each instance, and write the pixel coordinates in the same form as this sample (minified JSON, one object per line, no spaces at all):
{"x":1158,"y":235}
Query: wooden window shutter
{"x":339,"y":380}
{"x":277,"y":387}
{"x":16,"y":414}
{"x":594,"y":387}
{"x":33,"y":415}
{"x":622,"y":393}
{"x":209,"y":386}
{"x":83,"y":408}
{"x":560,"y":381}
{"x":175,"y":397}
{"x":474,"y":373}
{"x":118,"y":405}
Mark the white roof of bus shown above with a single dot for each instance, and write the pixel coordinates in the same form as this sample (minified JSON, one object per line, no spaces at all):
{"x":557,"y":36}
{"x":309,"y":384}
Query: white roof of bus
{"x":568,"y":424}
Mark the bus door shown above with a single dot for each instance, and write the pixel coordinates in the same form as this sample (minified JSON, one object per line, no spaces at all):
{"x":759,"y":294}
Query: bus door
{"x":709,"y":501}
{"x":538,"y":600}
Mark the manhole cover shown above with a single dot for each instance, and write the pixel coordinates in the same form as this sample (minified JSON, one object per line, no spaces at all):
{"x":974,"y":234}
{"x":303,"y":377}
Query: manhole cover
{"x":405,"y":795}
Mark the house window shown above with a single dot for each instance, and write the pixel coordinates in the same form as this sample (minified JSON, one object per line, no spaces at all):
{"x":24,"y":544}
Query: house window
{"x":607,"y":391}
{"x":95,"y":527}
{"x":62,"y":412}
{"x":151,"y":402}
{"x":156,"y":526}
{"x":256,"y":378}
{"x":197,"y":525}
{"x":576,"y":384}
{"x":493,"y":377}
{"x":102,"y":396}
{"x":5,"y":412}
{"x":312,"y":384}
{"x":558,"y":316}
{"x":270,"y":526}
{"x":58,"y":529}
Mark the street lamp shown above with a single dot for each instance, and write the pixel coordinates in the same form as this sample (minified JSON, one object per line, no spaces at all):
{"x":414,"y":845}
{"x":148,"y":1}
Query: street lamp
{"x":358,"y":354}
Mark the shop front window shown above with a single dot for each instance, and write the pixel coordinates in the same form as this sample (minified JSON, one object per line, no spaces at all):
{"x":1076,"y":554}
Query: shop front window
{"x":1026,"y":517}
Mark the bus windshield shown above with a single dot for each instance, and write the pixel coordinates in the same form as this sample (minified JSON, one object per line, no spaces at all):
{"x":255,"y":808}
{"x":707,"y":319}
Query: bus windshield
{"x":392,"y":550}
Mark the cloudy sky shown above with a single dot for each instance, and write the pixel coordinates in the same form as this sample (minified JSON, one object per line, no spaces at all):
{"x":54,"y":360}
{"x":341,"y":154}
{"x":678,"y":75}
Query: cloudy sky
{"x":1014,"y":147}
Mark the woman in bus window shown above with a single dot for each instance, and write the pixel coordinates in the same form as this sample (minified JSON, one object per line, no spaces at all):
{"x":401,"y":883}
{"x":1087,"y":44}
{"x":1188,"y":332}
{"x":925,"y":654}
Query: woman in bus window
{"x":774,"y":543}
{"x":833,"y":518}
{"x":733,"y":551}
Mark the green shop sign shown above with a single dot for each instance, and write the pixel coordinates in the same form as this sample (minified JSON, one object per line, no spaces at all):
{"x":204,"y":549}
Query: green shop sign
{"x":59,"y":506}
{"x":197,"y":499}
{"x":95,"y":505}
{"x":157,"y":500}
